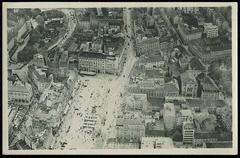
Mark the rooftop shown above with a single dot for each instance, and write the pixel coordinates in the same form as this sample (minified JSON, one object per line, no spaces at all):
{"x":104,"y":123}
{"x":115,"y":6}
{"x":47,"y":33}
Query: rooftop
{"x":205,"y":135}
{"x":156,"y":142}
{"x":208,"y":84}
{"x":187,"y":30}
{"x":187,"y":77}
{"x":186,"y":112}
{"x":169,"y":107}
{"x":196,"y":64}
{"x":154,"y":74}
{"x":73,"y":47}
{"x":205,"y":103}
{"x":19,"y":86}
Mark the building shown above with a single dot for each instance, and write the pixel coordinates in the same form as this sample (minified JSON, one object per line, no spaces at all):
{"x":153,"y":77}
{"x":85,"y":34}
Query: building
{"x":109,"y":61}
{"x":188,"y":33}
{"x":148,"y":46}
{"x":156,"y":142}
{"x":19,"y":92}
{"x":186,"y":115}
{"x":154,"y":89}
{"x":188,"y":132}
{"x":184,"y":61}
{"x":73,"y":62}
{"x":39,"y":78}
{"x":188,"y":84}
{"x":130,"y":127}
{"x":210,"y":91}
{"x":38,"y":60}
{"x":205,"y":137}
{"x":63,"y":61}
{"x":192,"y":10}
{"x":98,"y":63}
{"x":210,"y":49}
{"x":210,"y":30}
{"x":154,"y":44}
{"x":169,"y":116}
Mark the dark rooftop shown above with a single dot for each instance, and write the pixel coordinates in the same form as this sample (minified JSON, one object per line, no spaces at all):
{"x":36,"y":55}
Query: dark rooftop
{"x":156,"y":101}
{"x":196,"y":64}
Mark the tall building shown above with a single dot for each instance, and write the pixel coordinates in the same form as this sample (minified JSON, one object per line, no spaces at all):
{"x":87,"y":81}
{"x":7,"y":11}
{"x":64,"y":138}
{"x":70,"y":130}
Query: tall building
{"x":188,"y":132}
{"x":210,"y":30}
{"x":169,"y":116}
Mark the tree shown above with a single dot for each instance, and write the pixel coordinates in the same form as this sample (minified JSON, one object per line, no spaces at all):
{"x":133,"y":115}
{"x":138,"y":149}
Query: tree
{"x":40,"y":20}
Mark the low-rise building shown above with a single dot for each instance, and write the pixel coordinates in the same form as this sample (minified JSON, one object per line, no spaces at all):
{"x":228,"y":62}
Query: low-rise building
{"x":156,"y":142}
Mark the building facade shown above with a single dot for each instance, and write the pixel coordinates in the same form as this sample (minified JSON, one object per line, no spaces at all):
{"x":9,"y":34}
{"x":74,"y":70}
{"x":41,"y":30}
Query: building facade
{"x":189,"y":34}
{"x":20,"y":93}
{"x":188,"y":132}
{"x":152,"y":90}
{"x":210,"y":30}
{"x":169,"y":116}
{"x":189,"y":84}
{"x":130,"y":127}
{"x":38,"y":77}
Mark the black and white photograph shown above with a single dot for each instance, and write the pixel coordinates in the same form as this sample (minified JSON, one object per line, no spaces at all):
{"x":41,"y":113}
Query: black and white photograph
{"x":103,"y":77}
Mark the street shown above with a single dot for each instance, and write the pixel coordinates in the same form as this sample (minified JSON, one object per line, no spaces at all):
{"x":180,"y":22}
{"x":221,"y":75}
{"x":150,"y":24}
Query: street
{"x":71,"y":28}
{"x":101,"y":93}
